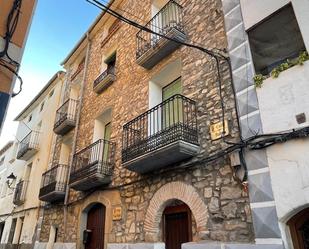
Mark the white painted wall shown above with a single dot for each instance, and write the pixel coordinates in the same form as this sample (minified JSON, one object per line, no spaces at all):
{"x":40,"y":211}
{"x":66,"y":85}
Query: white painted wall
{"x":289,"y":171}
{"x":39,"y":163}
{"x":16,"y":167}
{"x":280,"y":100}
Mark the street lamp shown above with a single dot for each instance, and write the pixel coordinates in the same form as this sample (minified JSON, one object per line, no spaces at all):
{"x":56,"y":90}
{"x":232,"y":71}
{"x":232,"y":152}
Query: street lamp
{"x":10,"y":179}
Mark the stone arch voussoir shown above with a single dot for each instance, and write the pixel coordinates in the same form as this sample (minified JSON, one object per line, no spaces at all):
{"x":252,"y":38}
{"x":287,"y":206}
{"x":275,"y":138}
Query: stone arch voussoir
{"x":170,"y":191}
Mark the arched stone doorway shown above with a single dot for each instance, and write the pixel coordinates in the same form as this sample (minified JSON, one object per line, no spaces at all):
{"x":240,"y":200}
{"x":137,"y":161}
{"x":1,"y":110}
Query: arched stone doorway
{"x":108,"y":199}
{"x":176,"y":225}
{"x":93,"y":235}
{"x":163,"y":198}
{"x":299,"y":229}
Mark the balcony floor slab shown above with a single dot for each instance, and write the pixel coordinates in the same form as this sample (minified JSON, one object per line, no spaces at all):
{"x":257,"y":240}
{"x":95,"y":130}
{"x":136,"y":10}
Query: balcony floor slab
{"x":162,"y":157}
{"x":66,"y":126}
{"x":161,"y":49}
{"x":90,"y":182}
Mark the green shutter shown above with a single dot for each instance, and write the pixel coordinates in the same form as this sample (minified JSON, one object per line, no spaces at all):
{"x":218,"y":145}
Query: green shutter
{"x":172,"y":111}
{"x":107,"y":135}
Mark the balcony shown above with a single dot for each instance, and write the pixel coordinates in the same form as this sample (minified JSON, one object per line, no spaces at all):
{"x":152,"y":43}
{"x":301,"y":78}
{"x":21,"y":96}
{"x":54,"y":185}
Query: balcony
{"x":66,"y":117}
{"x":163,"y":135}
{"x":152,"y":48}
{"x":104,"y":80}
{"x":20,"y":193}
{"x":54,"y":184}
{"x":93,"y":166}
{"x":28,"y":146}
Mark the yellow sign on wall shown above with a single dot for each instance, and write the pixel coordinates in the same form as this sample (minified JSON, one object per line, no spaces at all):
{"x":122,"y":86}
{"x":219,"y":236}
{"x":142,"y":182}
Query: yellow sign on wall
{"x":117,"y":213}
{"x":216,"y":130}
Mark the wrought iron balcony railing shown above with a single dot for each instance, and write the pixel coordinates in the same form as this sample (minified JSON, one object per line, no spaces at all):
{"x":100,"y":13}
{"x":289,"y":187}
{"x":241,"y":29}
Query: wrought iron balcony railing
{"x":53,"y":183}
{"x":66,"y":117}
{"x":20,"y":192}
{"x":104,"y":80}
{"x":28,"y":146}
{"x":93,"y":166}
{"x":151,"y":48}
{"x":170,"y":122}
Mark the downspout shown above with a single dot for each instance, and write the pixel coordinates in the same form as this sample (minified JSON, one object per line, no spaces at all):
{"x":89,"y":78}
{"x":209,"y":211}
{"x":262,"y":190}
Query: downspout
{"x":67,"y":192}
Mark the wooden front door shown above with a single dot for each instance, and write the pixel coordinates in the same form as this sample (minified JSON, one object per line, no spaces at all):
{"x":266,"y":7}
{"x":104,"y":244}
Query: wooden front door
{"x":177,"y":226}
{"x":95,"y":225}
{"x":299,"y":228}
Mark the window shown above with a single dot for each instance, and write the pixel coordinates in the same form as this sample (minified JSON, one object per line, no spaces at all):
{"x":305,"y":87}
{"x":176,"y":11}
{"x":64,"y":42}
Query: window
{"x":42,"y":106}
{"x":12,"y":231}
{"x":275,"y":39}
{"x":1,"y":229}
{"x":21,"y":219}
{"x":28,"y":172}
{"x":111,"y":62}
{"x":51,"y":93}
{"x":30,"y":118}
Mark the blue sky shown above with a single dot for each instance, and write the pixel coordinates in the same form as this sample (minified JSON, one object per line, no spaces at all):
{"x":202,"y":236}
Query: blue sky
{"x":56,"y":27}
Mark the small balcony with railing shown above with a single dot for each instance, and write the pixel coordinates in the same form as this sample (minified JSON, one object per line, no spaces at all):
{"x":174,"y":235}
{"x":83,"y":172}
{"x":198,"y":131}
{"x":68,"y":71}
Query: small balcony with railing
{"x":105,"y":79}
{"x":66,"y":117}
{"x":53,"y":184}
{"x":28,"y":146}
{"x":93,"y":166}
{"x":152,"y":48}
{"x":20,"y":193}
{"x":161,"y":136}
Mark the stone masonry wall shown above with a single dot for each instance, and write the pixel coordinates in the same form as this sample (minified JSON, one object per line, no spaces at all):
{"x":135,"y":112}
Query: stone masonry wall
{"x":228,"y":206}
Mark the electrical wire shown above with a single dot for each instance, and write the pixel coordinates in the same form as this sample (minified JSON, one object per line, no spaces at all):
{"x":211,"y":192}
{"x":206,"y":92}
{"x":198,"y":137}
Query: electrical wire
{"x":11,"y":25}
{"x":141,"y":27}
{"x":270,"y":139}
{"x":157,"y":27}
{"x":216,"y":55}
{"x":2,"y":63}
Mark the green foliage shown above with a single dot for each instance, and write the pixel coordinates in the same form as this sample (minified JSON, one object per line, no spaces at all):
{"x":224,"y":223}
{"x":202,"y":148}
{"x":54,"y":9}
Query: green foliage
{"x":259,"y":78}
{"x":275,"y":72}
{"x":304,"y":56}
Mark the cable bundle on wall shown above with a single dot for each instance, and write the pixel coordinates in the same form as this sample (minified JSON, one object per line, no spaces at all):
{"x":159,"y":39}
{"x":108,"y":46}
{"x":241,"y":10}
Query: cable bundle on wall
{"x":5,"y":60}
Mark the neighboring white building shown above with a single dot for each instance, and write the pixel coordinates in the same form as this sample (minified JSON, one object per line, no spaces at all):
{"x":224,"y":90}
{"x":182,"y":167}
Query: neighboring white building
{"x":28,"y":159}
{"x":262,"y":35}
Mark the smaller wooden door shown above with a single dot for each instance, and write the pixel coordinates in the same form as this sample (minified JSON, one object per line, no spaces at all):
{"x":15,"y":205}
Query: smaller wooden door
{"x":299,"y":228}
{"x":95,"y":226}
{"x":177,"y":226}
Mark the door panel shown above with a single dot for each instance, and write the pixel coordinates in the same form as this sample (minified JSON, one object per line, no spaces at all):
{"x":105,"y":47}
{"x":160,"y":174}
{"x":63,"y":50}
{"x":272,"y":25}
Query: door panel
{"x":177,"y":226}
{"x":299,"y":228}
{"x":96,"y":223}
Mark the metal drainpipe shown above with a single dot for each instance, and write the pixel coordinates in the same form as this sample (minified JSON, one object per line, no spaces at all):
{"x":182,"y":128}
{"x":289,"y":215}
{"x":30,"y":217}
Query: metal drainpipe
{"x":65,"y":211}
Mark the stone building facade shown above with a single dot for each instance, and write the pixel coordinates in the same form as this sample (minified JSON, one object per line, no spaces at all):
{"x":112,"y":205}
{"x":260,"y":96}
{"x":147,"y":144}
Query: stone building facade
{"x":135,"y":203}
